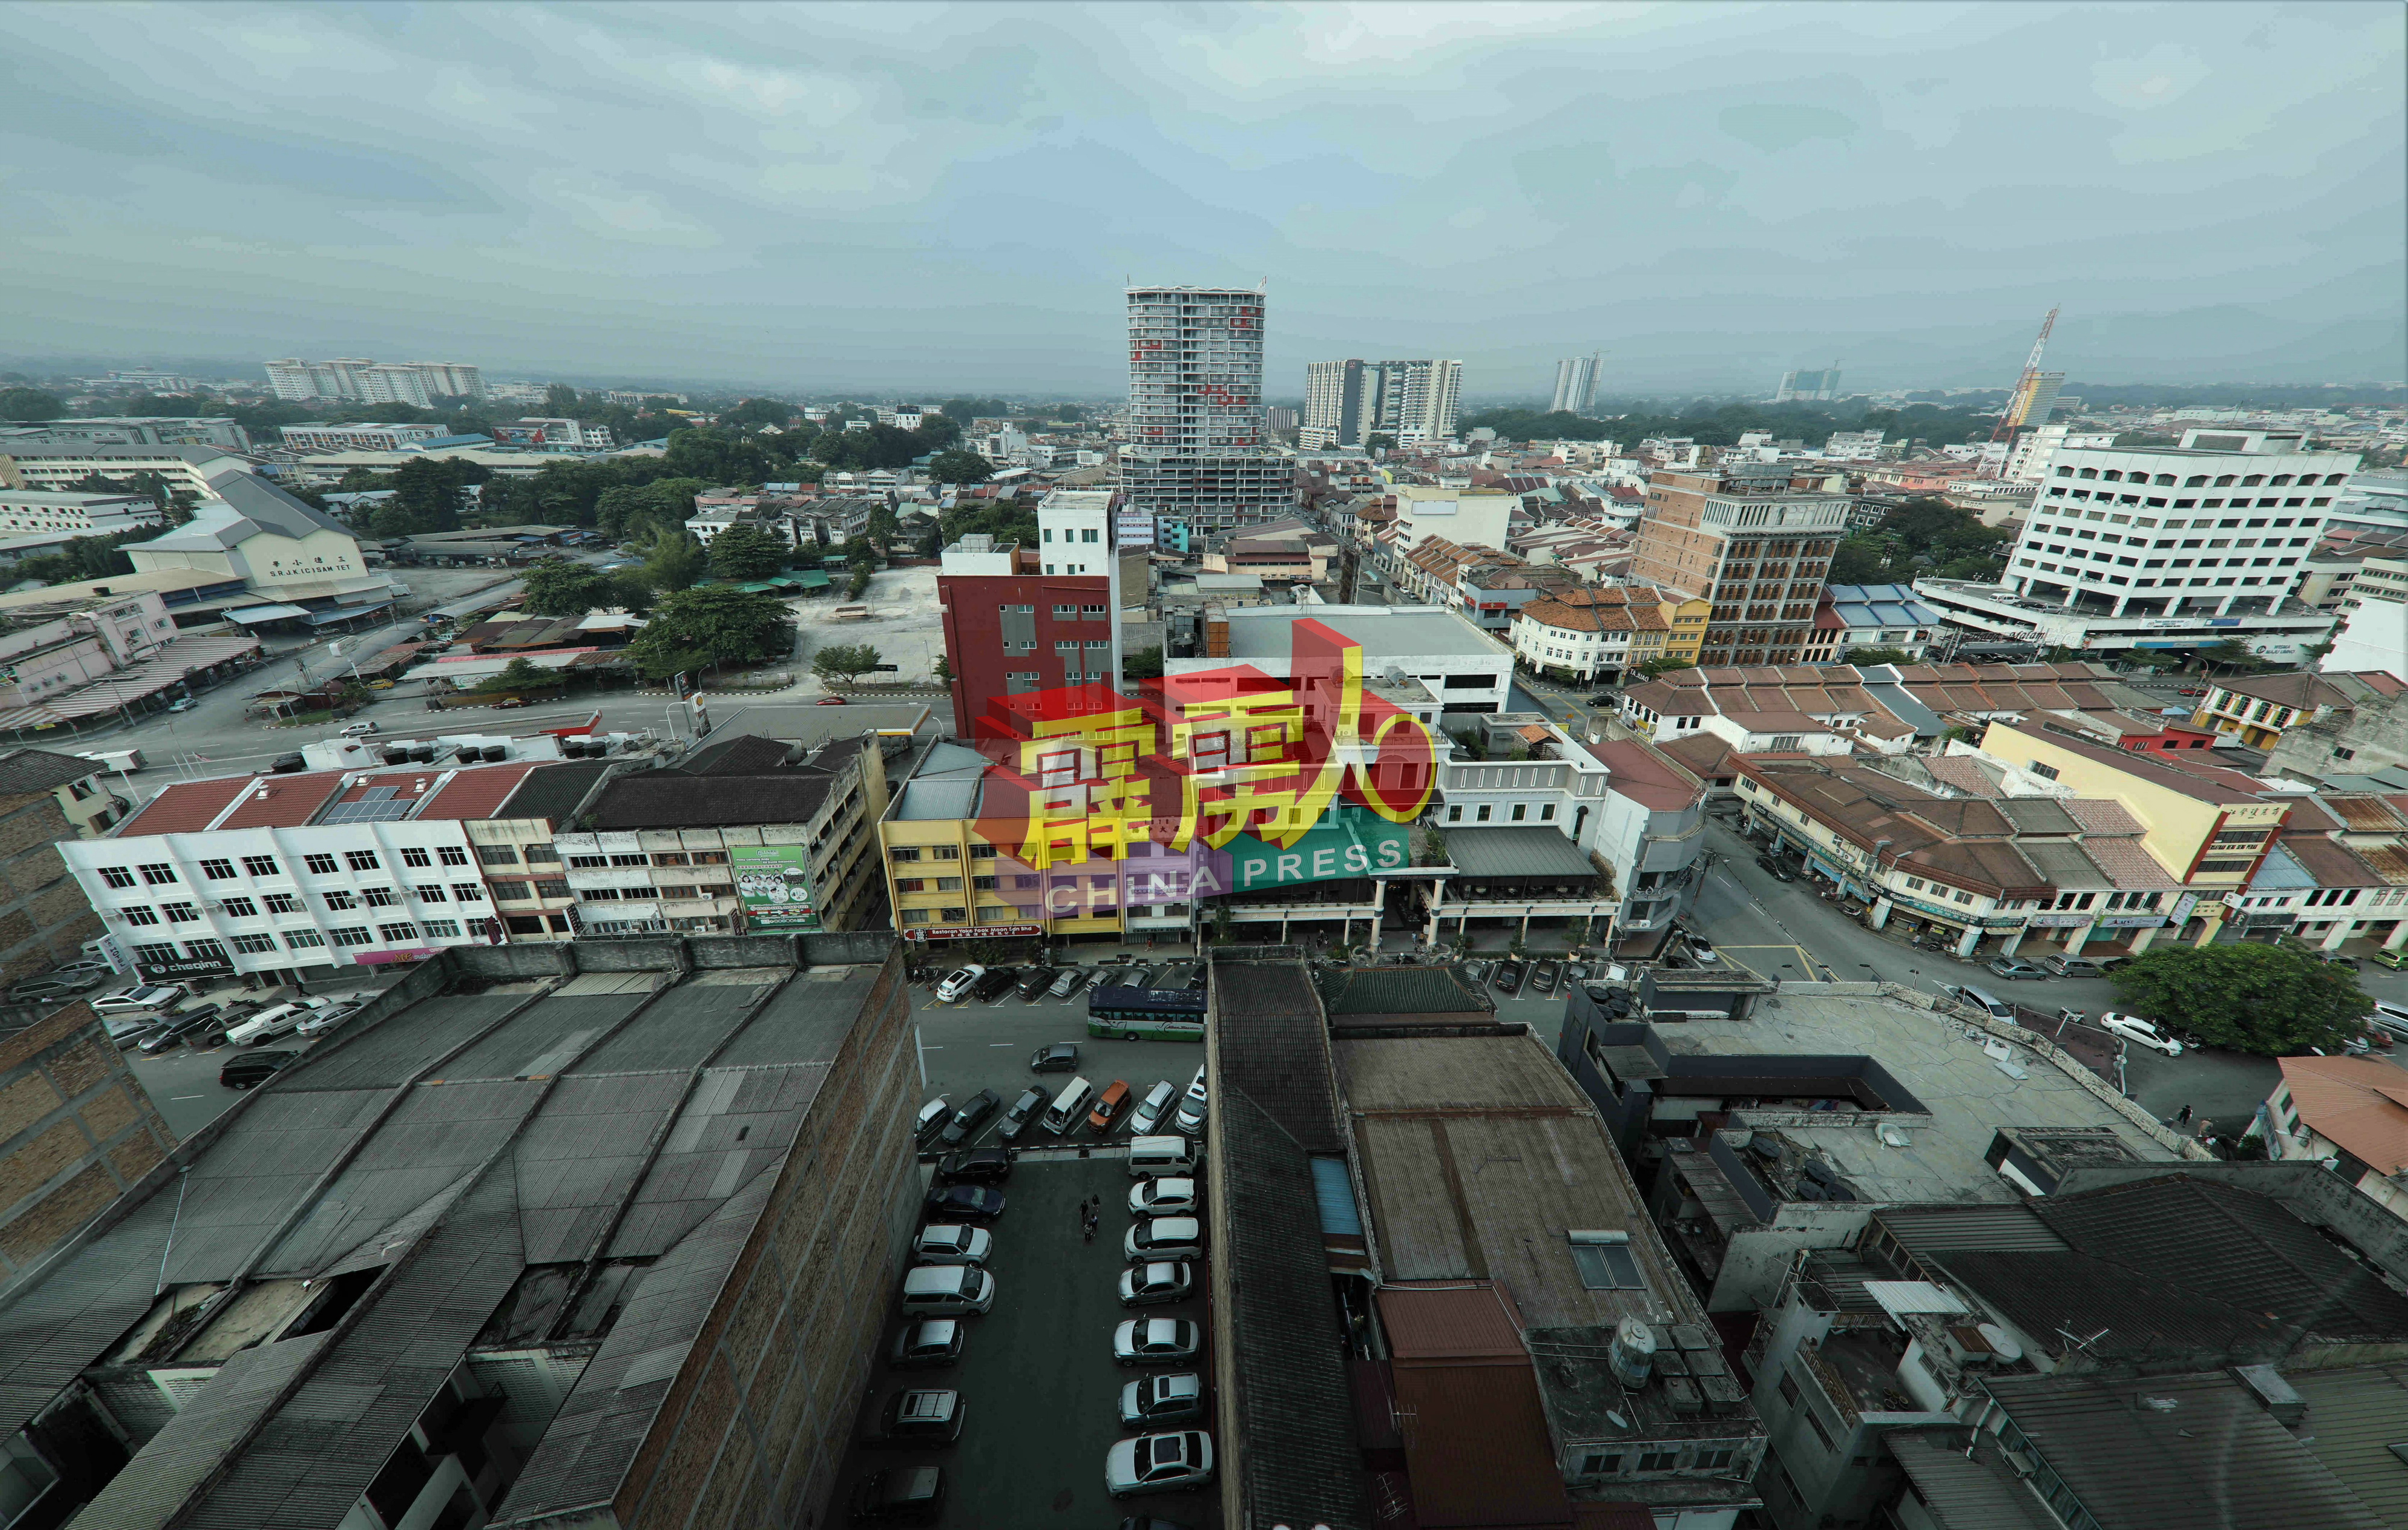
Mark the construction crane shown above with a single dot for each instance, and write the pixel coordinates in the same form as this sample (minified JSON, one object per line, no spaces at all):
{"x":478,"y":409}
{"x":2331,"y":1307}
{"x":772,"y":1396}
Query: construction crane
{"x":2019,"y":402}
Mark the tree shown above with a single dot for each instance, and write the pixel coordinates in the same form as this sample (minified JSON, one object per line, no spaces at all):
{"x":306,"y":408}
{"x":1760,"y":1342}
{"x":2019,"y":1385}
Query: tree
{"x":858,"y":585}
{"x":1663,"y":664}
{"x":559,"y":400}
{"x":2233,"y":653}
{"x":29,"y":404}
{"x":884,"y":527}
{"x":558,"y":587}
{"x":1143,"y":664}
{"x":2274,"y":999}
{"x":1877,"y":655}
{"x":845,"y":662}
{"x":957,"y":467}
{"x":520,"y":675}
{"x":744,"y":551}
{"x":707,"y":627}
{"x":753,"y":411}
{"x":1379,"y":440}
{"x":673,"y":560}
{"x":944,"y":671}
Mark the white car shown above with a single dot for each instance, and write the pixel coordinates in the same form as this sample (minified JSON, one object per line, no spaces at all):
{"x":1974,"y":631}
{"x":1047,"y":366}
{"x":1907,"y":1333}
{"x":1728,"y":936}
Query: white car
{"x":1159,"y":1464}
{"x":1191,"y":1109}
{"x":270,"y":1023}
{"x":1169,"y":1196}
{"x":1163,"y":1237}
{"x":947,"y":1243}
{"x":137,"y":999}
{"x":324,"y":1020}
{"x":959,"y":983}
{"x":1150,"y":1109}
{"x":2140,"y":1032}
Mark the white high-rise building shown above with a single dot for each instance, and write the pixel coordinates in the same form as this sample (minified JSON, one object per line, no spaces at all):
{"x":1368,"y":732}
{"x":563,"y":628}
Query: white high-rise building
{"x":1347,"y":402}
{"x":1575,"y":385}
{"x":1333,"y":405}
{"x":2219,"y":526}
{"x":358,"y":380}
{"x":1420,"y":401}
{"x":1195,"y":446}
{"x":1808,"y":386}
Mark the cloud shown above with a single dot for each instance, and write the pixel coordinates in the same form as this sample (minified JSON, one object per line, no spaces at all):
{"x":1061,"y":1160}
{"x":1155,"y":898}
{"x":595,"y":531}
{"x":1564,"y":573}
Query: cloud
{"x":905,"y":197}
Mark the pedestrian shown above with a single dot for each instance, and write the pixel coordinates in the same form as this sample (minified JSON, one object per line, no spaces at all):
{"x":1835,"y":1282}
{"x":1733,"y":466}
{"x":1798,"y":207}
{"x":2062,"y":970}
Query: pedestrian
{"x":2182,"y":1117}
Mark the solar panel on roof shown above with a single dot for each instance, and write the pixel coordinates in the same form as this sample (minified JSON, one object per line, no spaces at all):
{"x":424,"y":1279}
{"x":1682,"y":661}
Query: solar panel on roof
{"x":366,"y":812}
{"x":379,"y":794}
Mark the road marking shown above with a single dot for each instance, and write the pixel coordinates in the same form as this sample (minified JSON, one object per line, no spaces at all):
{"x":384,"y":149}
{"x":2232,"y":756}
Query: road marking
{"x":990,"y":1043}
{"x":173,"y":1098}
{"x":932,"y":1049}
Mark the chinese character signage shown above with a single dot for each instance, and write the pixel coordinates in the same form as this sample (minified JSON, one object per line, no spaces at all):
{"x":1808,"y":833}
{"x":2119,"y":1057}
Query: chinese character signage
{"x":774,"y":884}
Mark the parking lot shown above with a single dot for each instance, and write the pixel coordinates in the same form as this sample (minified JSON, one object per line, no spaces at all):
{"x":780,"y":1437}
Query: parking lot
{"x":182,"y":1080}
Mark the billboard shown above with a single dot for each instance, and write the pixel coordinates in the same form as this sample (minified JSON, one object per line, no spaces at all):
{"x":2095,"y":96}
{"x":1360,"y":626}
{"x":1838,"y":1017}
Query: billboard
{"x":774,"y":884}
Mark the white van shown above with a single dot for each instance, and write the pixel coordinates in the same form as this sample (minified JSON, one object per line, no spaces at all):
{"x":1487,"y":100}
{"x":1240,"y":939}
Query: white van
{"x":1997,"y":1009}
{"x":358,"y":730}
{"x":2389,"y":1015}
{"x":947,"y":1291}
{"x":1070,"y":1106}
{"x":1151,"y":1156}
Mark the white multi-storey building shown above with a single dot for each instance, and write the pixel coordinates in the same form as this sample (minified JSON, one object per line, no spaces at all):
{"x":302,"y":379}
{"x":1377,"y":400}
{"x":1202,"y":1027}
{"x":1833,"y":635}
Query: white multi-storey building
{"x":28,"y":512}
{"x":1195,"y":450}
{"x":358,"y":380}
{"x":318,"y":436}
{"x":1575,"y":385}
{"x":2027,"y":460}
{"x":1346,"y":402}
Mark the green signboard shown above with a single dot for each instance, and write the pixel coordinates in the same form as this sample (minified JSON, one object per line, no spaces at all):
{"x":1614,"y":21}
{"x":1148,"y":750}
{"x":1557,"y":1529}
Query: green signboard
{"x":775,"y":883}
{"x":1345,"y":843}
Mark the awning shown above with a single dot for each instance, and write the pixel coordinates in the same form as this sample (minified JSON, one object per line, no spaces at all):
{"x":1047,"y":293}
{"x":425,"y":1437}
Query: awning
{"x":320,"y":618}
{"x":264,"y":613}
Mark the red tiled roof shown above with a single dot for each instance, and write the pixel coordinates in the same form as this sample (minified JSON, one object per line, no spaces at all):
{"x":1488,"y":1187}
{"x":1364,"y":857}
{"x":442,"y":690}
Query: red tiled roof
{"x":2100,"y":815}
{"x":1645,"y":775}
{"x":180,"y":809}
{"x":2356,"y":1103}
{"x":281,"y":802}
{"x":476,"y":794}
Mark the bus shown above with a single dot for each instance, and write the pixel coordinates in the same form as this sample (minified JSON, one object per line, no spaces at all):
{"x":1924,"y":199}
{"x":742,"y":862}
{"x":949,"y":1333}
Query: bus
{"x":1146,"y":1014}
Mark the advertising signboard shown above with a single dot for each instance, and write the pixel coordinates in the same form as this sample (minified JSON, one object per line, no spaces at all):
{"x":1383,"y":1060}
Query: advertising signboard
{"x":774,"y":884}
{"x":169,"y":972}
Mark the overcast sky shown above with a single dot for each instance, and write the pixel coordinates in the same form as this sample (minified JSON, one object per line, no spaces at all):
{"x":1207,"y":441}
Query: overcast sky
{"x":920,"y":198}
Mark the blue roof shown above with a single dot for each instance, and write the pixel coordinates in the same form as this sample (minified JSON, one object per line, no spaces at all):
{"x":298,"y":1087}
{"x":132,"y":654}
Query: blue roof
{"x":2278,"y":873}
{"x":1870,"y":592}
{"x":442,"y":443}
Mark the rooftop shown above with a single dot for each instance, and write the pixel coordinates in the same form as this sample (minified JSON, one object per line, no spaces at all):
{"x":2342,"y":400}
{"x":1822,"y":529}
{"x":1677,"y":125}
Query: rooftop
{"x":2357,"y":1104}
{"x":1261,"y":632}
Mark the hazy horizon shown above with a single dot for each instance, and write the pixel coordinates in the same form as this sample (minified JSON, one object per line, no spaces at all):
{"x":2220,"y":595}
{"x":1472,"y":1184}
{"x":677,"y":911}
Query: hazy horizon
{"x":903,"y":198}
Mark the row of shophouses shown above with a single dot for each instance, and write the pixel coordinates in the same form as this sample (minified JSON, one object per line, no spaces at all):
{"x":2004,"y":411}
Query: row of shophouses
{"x":2040,"y":837}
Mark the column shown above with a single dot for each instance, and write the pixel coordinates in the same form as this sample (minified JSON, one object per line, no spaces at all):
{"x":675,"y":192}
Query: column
{"x":2078,"y":936}
{"x":2224,"y":605}
{"x":2398,"y":937}
{"x":1972,"y":937}
{"x":1881,"y":914}
{"x":2340,"y":932}
{"x":2143,"y":939}
{"x":2117,"y":608}
{"x":1346,"y":929}
{"x":1283,"y":930}
{"x":2072,"y":593}
{"x":2015,"y":940}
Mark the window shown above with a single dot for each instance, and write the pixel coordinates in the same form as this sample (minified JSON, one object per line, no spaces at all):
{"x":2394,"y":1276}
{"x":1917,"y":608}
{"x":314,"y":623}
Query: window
{"x":362,"y":860}
{"x":254,"y":945}
{"x":589,"y":862}
{"x":181,"y":913}
{"x":1713,"y":1461}
{"x":354,"y":935}
{"x":261,"y":866}
{"x":379,"y":897}
{"x":158,"y":874}
{"x":1785,"y":743}
{"x":636,"y":858}
{"x":217,"y":871}
{"x":117,"y":876}
{"x":552,"y":890}
{"x":2046,"y":772}
{"x":431,"y":893}
{"x":451,"y":855}
{"x":320,"y":865}
{"x":670,"y":858}
{"x":1659,"y":1460}
{"x":678,"y":893}
{"x":1604,"y":1261}
{"x":534,"y":853}
{"x":1546,"y":811}
{"x":154,"y":955}
{"x":283,"y":903}
{"x":948,"y":884}
{"x":241,"y":908}
{"x":303,"y":940}
{"x":901,"y":852}
{"x":944,"y":852}
{"x":205,"y":950}
{"x":986,"y":852}
{"x":706,"y":858}
{"x":398,"y":933}
{"x":139,"y":914}
{"x":341,"y":901}
{"x":1597,"y":1464}
{"x":1788,"y":1390}
{"x":1821,"y":1432}
{"x":469,"y":892}
{"x":442,"y":929}
{"x":915,"y":915}
{"x":599,"y":895}
{"x":1483,"y":815}
{"x":1454,"y":814}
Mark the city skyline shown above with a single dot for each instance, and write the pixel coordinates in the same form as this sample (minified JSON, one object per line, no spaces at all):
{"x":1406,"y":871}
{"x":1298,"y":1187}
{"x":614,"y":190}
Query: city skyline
{"x":780,"y":202}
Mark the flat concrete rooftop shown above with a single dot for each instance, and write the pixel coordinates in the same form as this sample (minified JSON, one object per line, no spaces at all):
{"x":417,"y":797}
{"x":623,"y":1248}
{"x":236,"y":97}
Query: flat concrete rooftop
{"x":1261,"y":632}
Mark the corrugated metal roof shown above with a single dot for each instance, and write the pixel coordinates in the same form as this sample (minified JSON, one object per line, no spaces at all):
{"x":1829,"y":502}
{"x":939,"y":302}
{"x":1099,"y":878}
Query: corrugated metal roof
{"x":1516,"y":852}
{"x":1442,"y":1321}
{"x":1275,"y":1047}
{"x":1922,"y":1231}
{"x":2354,"y":1417}
{"x":1976,"y":1491}
{"x":152,"y":1488}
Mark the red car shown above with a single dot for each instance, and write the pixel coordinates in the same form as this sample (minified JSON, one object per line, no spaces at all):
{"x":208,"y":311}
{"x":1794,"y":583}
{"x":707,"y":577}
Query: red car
{"x":507,"y":702}
{"x":829,"y":701}
{"x":2193,"y":690}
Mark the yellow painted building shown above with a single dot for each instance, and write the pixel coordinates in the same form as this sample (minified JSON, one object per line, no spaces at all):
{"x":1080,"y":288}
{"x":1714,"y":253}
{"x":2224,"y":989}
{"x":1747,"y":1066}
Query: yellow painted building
{"x":1684,"y":621}
{"x":945,"y":881}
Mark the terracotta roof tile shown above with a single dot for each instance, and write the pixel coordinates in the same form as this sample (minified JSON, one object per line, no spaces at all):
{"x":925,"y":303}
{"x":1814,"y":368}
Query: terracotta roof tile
{"x":2354,"y":1101}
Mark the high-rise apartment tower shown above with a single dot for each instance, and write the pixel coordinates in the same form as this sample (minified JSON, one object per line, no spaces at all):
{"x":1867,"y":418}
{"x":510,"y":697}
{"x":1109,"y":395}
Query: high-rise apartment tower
{"x":1195,"y":450}
{"x":1347,"y":402}
{"x":1575,"y":385}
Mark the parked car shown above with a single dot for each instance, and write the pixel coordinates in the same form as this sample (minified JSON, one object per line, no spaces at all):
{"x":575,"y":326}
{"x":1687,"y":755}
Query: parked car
{"x":1061,"y":1057}
{"x":1157,"y":1281}
{"x":1542,"y":976}
{"x":1700,"y":948}
{"x":993,"y":984}
{"x":1033,"y":983}
{"x":931,"y":1344}
{"x":931,"y":1119}
{"x":2057,"y":964}
{"x":829,"y":701}
{"x":1155,"y":1341}
{"x":137,"y":999}
{"x":959,"y":983}
{"x":2140,"y":1032}
{"x":2016,"y":967}
{"x":2334,"y":959}
{"x":1170,"y":1397}
{"x":253,"y":1069}
{"x":1605,"y":699}
{"x":967,"y":1119}
{"x":2194,"y":690}
{"x":1476,"y":973}
{"x":38,"y":990}
{"x":976,"y":1166}
{"x":1108,"y":1106}
{"x":1137,"y":976}
{"x":274,"y":1022}
{"x":967,"y":1203}
{"x":1159,"y":1464}
{"x":952,"y":1243}
{"x":85,"y":973}
{"x":1150,"y":1109}
{"x":1163,"y":1237}
{"x":902,"y":1494}
{"x":1067,"y":982}
{"x":2393,"y":960}
{"x":173,"y":1032}
{"x":1172,"y":1195}
{"x":1192,"y":1105}
{"x":916,"y":1419}
{"x":1773,"y":867}
{"x":127,"y":1029}
{"x":325,"y":1020}
{"x":181,"y":704}
{"x":1508,"y":976}
{"x":1030,"y":1105}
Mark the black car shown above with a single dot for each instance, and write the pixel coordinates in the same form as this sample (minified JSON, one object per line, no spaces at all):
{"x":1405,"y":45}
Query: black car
{"x":964,"y":1204}
{"x":187,"y":1024}
{"x":902,"y":1495}
{"x":1030,"y":1106}
{"x":1062,"y":1057}
{"x":935,"y":1344}
{"x":1772,"y":866}
{"x":916,"y":1419}
{"x":287,"y":764}
{"x":978,"y":1166}
{"x":1604,"y":699}
{"x":1510,"y":976}
{"x":252,"y":1069}
{"x":1034,"y":981}
{"x":966,"y":1120}
{"x":993,"y":984}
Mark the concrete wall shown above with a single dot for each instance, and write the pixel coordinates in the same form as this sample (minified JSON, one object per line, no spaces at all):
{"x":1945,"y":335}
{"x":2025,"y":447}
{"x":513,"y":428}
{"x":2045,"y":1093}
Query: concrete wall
{"x":671,"y":953}
{"x":77,"y":1133}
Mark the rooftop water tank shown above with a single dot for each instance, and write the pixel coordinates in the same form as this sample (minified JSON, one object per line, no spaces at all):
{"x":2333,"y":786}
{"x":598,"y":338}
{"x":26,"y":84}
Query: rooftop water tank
{"x":1633,"y":1353}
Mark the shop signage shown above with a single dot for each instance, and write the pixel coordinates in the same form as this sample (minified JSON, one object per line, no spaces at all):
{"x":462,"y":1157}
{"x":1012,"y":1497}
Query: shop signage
{"x":2183,"y":905}
{"x":2131,"y":921}
{"x":2057,"y":921}
{"x":969,"y":931}
{"x":774,"y":884}
{"x":169,"y":972}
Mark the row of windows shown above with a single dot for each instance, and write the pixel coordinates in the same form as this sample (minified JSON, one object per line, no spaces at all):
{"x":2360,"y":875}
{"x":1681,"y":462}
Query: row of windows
{"x":2196,"y":480}
{"x":161,"y":874}
{"x":237,"y":907}
{"x":1520,"y":811}
{"x":397,"y":933}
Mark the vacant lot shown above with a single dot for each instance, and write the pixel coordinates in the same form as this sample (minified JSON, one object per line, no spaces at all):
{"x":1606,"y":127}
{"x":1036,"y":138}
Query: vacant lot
{"x":903,"y":624}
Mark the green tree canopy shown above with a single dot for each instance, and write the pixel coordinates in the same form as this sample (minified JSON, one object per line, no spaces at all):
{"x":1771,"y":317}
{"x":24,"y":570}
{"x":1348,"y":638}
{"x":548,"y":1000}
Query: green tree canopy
{"x":2274,"y":999}
{"x":29,"y":404}
{"x":673,"y":560}
{"x":1143,"y":664}
{"x":957,"y":467}
{"x":1655,"y":667}
{"x":883,"y":527}
{"x":845,"y":662}
{"x":426,"y":496}
{"x":743,"y":552}
{"x":560,"y":587}
{"x":520,"y":675}
{"x":560,"y":399}
{"x":707,"y":627}
{"x":1877,"y":655}
{"x":758,"y":412}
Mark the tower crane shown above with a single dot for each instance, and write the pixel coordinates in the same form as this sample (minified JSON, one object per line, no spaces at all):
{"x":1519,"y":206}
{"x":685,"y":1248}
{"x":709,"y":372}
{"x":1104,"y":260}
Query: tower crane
{"x":2019,"y":402}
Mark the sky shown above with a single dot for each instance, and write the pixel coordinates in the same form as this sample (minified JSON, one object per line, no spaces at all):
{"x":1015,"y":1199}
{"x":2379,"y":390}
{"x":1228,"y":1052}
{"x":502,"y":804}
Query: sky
{"x":927,"y":198}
